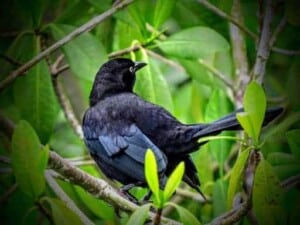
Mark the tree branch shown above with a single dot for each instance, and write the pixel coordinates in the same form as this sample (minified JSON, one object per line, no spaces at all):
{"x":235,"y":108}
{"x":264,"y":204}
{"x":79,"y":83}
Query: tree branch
{"x":290,"y":182}
{"x":253,"y":35}
{"x":277,"y":31}
{"x":218,"y":74}
{"x":97,"y":187}
{"x":263,"y":50}
{"x":67,"y":108}
{"x":82,"y":29}
{"x":224,"y":15}
{"x":239,"y":53}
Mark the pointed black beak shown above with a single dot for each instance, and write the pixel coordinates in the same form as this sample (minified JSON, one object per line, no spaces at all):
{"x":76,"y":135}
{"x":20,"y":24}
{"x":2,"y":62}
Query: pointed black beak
{"x":139,"y":65}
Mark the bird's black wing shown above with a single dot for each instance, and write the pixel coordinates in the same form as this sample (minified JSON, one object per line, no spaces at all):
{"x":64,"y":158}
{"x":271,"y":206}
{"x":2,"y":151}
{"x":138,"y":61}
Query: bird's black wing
{"x":123,"y":153}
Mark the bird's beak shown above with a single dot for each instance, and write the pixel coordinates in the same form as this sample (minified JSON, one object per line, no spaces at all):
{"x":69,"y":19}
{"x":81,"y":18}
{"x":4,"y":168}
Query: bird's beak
{"x":139,"y":65}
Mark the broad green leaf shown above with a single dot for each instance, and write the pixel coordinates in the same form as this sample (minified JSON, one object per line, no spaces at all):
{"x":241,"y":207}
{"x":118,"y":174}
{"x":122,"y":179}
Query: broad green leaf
{"x":140,"y":215}
{"x":65,"y":141}
{"x":34,"y":95}
{"x":219,"y":196}
{"x":151,"y":173}
{"x":186,"y":217}
{"x":197,"y":71}
{"x":33,"y":9}
{"x":285,"y":165}
{"x":15,"y":210}
{"x":280,"y":158}
{"x":218,"y":106}
{"x":293,"y":137}
{"x":245,"y":121}
{"x":100,"y":208}
{"x":236,"y":177}
{"x":151,"y":84}
{"x":163,"y":10}
{"x":194,"y":43}
{"x":255,"y":106}
{"x":29,"y":161}
{"x":85,"y":54}
{"x":61,"y":214}
{"x":173,"y":181}
{"x":267,"y":194}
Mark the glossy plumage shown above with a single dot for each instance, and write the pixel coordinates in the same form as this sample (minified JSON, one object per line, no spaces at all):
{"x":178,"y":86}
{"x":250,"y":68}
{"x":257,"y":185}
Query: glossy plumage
{"x":120,"y":126}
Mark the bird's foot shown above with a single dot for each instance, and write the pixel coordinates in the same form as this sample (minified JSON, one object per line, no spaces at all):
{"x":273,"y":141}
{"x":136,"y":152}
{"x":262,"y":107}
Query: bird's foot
{"x":128,"y":196}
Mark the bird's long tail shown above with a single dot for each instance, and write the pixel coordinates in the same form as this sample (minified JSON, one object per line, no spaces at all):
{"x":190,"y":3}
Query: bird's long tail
{"x":230,"y":122}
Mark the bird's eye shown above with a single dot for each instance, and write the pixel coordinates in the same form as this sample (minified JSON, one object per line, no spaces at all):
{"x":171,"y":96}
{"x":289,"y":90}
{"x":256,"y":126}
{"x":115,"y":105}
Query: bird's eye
{"x":131,"y":69}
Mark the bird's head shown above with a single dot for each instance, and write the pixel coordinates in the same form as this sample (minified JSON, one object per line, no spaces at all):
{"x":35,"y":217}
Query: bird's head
{"x":115,"y":76}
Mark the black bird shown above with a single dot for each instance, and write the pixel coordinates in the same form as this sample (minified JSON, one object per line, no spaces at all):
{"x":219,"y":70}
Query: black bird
{"x":120,"y":126}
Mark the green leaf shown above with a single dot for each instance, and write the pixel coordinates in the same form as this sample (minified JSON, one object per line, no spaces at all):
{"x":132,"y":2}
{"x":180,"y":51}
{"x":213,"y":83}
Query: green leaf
{"x":99,"y":207}
{"x":151,"y":85}
{"x":220,"y":191}
{"x":173,"y":181}
{"x":34,"y":96}
{"x":255,"y":106}
{"x":267,"y":194}
{"x":197,"y":71}
{"x":217,"y":106}
{"x":163,"y":10}
{"x":294,"y":141}
{"x":285,"y":165}
{"x":85,"y":54}
{"x":151,"y":174}
{"x":186,"y":217}
{"x":61,"y":214}
{"x":236,"y":177}
{"x":194,"y":43}
{"x":33,"y":9}
{"x":140,"y":215}
{"x":28,"y":160}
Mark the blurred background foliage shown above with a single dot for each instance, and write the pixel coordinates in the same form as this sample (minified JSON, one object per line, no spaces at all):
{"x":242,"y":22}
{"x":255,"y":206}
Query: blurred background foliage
{"x":171,"y":36}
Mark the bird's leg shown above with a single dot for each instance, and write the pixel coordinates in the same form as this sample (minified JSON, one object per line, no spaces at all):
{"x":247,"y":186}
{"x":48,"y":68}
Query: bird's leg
{"x":146,"y":198}
{"x":125,"y":192}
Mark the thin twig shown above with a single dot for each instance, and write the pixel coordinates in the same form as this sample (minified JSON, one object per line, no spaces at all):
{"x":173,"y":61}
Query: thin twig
{"x":125,"y":51}
{"x":85,"y":162}
{"x":224,"y":15}
{"x":61,"y":69}
{"x":217,"y":73}
{"x":165,"y":60}
{"x":157,"y":217}
{"x":56,"y":69}
{"x":253,"y":35}
{"x":5,"y":160}
{"x":65,"y":198}
{"x":277,"y":31}
{"x":263,"y":50}
{"x":82,"y":29}
{"x":8,"y":193}
{"x":10,"y":60}
{"x":239,"y":53}
{"x":192,"y":195}
{"x":286,"y":51}
{"x":67,"y":108}
{"x":290,"y":182}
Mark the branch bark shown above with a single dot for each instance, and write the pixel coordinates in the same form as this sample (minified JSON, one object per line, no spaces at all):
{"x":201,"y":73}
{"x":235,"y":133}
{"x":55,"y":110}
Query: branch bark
{"x":263,"y":50}
{"x":239,"y":53}
{"x":82,"y":29}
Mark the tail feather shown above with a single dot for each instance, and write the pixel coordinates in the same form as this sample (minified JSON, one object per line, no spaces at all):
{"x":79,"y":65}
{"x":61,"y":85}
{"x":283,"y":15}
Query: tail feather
{"x":229,"y":122}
